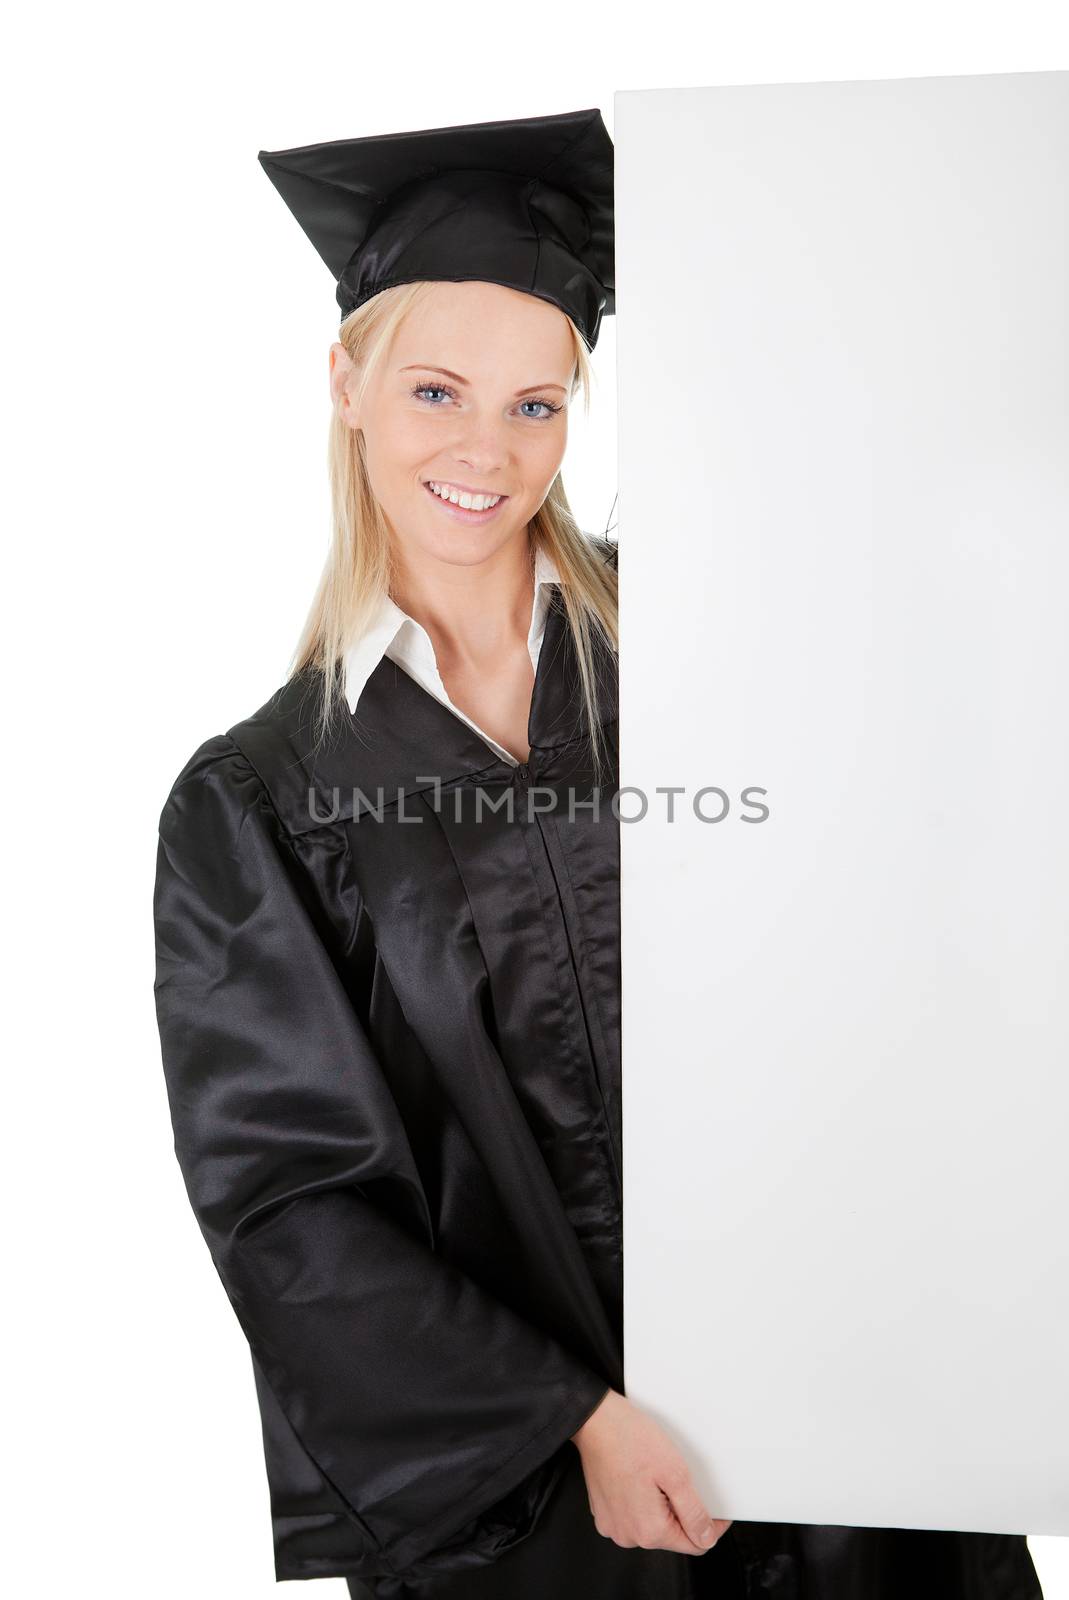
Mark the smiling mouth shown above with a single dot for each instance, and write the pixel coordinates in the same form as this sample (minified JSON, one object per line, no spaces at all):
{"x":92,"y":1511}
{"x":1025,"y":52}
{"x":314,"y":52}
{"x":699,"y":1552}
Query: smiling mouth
{"x":463,"y":497}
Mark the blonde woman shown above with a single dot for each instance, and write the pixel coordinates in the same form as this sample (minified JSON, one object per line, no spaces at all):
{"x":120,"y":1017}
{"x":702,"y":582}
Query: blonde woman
{"x":387,"y":926}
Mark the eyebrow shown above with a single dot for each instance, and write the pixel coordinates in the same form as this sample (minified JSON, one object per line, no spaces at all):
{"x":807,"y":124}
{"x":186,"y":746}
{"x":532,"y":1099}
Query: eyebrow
{"x":426,"y":366}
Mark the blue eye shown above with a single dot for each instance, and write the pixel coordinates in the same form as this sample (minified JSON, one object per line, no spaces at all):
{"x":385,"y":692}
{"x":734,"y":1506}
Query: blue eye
{"x":421,"y":389}
{"x":550,"y":410}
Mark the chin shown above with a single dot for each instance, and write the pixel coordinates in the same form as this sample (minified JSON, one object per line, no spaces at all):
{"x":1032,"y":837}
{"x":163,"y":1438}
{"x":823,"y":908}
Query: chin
{"x":466,"y":547}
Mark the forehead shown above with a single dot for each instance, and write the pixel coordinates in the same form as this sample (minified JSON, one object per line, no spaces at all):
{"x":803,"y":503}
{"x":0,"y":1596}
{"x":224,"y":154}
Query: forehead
{"x":483,"y":329}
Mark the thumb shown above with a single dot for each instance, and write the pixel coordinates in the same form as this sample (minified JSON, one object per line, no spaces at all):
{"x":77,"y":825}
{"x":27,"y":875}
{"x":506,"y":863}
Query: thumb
{"x":700,"y":1528}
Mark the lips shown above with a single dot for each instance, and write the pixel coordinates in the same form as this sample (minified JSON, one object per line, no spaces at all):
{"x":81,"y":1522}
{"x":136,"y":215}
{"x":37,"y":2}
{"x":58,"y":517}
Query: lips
{"x":461,"y":488}
{"x":460,"y":512}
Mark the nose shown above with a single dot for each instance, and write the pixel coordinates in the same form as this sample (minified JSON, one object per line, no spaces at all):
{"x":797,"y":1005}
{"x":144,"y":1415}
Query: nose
{"x":482,"y":447}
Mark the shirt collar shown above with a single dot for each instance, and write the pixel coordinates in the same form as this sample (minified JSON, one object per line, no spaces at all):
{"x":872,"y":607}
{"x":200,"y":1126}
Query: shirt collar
{"x":381,"y":634}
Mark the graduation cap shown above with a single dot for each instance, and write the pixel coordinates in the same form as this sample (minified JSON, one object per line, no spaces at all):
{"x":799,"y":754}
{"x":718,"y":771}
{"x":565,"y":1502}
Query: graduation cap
{"x":526,"y":203}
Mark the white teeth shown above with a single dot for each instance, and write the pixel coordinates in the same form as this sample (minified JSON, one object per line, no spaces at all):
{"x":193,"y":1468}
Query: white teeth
{"x":470,"y":502}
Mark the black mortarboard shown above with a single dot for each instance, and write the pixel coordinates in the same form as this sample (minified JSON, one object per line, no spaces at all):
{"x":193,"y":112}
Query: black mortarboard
{"x":527,"y":203}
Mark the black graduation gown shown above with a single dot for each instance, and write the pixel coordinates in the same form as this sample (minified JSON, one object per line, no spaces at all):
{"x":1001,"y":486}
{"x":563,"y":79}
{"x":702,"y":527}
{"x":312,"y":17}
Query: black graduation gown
{"x":391,"y":1045}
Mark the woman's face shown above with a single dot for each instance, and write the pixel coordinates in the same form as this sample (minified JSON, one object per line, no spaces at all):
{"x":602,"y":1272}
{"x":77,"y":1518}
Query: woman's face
{"x":472,"y":396}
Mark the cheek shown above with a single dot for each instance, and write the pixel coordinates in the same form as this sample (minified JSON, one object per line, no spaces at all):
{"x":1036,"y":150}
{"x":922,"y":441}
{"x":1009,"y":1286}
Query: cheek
{"x":401,"y":438}
{"x":543,"y":456}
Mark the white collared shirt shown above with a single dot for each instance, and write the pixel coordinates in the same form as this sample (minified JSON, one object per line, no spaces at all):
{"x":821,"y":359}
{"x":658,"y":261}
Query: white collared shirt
{"x":402,"y":639}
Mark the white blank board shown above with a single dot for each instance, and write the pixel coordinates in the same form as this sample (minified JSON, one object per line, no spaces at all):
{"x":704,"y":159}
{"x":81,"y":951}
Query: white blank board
{"x":843,"y":362}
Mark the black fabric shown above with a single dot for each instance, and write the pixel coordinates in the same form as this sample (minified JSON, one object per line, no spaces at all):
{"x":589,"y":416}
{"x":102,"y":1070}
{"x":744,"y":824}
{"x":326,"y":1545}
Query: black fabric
{"x":391,"y":1041}
{"x":566,"y":1558}
{"x":391,"y":1050}
{"x":527,"y":203}
{"x":792,"y":1561}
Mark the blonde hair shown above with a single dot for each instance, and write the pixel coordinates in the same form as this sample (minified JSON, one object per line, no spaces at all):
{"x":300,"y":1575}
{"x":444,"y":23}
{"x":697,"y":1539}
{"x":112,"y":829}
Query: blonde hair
{"x":359,"y":565}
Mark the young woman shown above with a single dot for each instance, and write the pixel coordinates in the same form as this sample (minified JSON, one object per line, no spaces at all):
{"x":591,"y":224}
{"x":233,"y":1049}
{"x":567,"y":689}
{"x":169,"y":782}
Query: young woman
{"x":388,"y":976}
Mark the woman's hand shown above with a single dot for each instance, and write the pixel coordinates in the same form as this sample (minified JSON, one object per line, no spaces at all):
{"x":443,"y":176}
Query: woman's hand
{"x":639,"y":1485}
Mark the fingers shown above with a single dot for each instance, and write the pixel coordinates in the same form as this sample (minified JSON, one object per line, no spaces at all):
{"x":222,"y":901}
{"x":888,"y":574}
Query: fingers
{"x":639,"y":1488}
{"x":653,"y":1522}
{"x":655,"y":1529}
{"x":699,"y":1530}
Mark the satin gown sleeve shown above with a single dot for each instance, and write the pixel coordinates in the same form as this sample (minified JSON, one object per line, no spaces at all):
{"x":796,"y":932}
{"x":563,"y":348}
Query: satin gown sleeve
{"x":421,"y":1398}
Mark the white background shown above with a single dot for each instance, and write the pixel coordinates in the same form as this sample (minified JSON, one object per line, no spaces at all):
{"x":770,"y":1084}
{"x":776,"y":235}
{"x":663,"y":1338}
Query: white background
{"x":165,"y":418}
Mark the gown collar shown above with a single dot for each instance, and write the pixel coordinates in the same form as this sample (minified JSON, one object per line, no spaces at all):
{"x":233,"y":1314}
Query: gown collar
{"x":404,"y":740}
{"x":381,"y":636}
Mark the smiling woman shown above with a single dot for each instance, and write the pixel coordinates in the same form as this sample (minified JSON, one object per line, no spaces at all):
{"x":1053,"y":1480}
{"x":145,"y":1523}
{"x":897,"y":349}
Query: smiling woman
{"x":445,"y":463}
{"x":449,"y":427}
{"x":460,"y":467}
{"x":392,"y":1051}
{"x":476,"y":436}
{"x":388,"y":987}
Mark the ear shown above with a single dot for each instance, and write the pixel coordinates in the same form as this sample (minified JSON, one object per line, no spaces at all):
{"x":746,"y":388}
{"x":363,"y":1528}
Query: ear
{"x":342,"y":373}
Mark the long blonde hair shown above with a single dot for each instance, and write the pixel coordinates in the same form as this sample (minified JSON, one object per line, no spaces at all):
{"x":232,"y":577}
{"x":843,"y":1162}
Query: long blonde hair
{"x":359,"y":565}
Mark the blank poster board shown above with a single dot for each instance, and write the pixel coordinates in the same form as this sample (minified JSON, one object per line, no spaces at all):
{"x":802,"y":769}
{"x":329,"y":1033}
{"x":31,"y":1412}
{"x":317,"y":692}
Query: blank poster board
{"x":843,"y":358}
